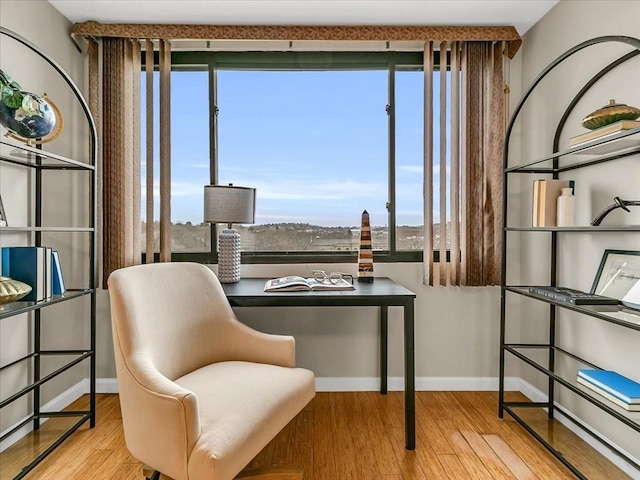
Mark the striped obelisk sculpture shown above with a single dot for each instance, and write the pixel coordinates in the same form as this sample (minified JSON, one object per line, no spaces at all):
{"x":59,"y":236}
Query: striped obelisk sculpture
{"x":365,"y":255}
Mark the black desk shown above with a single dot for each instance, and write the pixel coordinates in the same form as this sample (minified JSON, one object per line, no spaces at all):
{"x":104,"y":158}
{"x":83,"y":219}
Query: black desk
{"x":383,"y":293}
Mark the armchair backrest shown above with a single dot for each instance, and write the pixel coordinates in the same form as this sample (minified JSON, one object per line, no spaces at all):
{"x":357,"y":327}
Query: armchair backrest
{"x":176,"y":314}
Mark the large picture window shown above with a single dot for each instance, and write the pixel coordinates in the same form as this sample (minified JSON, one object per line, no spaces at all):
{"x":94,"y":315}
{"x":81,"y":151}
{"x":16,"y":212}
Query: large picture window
{"x":314,"y":144}
{"x":321,"y":136}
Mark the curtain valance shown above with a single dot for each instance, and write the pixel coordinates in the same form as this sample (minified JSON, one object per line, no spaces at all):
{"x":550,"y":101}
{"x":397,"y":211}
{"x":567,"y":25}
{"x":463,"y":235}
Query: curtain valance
{"x":507,"y":34}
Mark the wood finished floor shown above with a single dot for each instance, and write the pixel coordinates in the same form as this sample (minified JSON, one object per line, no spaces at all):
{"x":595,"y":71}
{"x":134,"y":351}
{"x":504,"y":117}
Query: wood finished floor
{"x":346,"y":436}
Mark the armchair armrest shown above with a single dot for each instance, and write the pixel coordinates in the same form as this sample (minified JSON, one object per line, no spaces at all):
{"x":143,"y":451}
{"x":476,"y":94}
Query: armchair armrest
{"x":247,"y":344}
{"x":147,"y":395}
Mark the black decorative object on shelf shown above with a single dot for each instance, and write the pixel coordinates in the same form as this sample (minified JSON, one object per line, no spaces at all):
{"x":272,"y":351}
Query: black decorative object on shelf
{"x":617,"y":203}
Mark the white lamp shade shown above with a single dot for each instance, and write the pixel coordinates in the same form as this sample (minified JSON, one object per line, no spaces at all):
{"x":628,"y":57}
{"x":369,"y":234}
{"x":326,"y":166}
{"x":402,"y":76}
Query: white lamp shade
{"x":229,"y":204}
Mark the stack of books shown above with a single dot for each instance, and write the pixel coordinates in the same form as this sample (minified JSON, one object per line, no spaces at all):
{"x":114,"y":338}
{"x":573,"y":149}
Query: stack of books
{"x":545,"y":196}
{"x":614,"y":387}
{"x":38,"y":267}
{"x":602,"y":132}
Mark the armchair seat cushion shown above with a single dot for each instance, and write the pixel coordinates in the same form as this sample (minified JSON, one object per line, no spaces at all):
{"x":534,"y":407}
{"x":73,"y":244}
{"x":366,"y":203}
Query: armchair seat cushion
{"x":242,"y":406}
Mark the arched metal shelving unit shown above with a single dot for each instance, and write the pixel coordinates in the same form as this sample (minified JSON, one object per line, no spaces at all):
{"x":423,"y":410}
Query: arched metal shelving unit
{"x":561,"y":161}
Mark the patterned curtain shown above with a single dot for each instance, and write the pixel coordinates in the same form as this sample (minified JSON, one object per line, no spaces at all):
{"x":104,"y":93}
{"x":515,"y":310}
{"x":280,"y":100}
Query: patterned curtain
{"x":114,"y":96}
{"x":472,"y":111}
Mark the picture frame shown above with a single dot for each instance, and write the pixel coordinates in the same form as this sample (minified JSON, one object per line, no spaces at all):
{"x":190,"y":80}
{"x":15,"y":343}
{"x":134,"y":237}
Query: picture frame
{"x":3,"y":215}
{"x":618,"y":277}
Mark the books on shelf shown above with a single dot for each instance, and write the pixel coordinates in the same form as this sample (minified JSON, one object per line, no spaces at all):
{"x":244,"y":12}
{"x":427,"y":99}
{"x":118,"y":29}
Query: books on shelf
{"x":57,"y":282}
{"x":545,"y":197}
{"x":295,"y":283}
{"x":38,"y":267}
{"x":615,"y":387}
{"x":572,"y":296}
{"x":601,"y":132}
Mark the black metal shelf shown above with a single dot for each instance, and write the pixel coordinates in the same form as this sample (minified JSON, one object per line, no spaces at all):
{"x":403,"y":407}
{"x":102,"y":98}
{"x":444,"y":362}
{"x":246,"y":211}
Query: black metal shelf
{"x":630,"y":419}
{"x":619,"y":145}
{"x":41,"y":162}
{"x":84,"y":417}
{"x":510,"y":407}
{"x":578,"y":229}
{"x":27,"y":156}
{"x":82,"y":355}
{"x":16,"y":308}
{"x":48,"y":229}
{"x":623,"y":316}
{"x":603,"y":150}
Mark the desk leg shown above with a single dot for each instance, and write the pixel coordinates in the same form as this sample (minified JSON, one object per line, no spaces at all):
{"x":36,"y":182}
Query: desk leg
{"x":409,"y":377}
{"x":384,"y":335}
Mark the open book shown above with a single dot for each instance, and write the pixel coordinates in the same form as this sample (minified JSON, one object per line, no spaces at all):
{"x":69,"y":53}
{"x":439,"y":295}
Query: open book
{"x":293,"y":283}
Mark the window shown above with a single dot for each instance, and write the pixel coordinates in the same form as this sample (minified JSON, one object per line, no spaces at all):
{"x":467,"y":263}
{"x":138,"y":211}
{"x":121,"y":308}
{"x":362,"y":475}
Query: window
{"x":189,"y":157}
{"x":409,"y":120}
{"x":314,"y":144}
{"x":322,"y":136}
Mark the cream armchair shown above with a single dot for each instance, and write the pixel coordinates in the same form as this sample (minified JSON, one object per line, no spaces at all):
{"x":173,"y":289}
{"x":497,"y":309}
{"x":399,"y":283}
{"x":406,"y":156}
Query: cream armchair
{"x":201,"y":393}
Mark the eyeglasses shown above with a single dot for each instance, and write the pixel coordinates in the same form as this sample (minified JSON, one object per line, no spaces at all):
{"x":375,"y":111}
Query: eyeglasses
{"x":334,"y":278}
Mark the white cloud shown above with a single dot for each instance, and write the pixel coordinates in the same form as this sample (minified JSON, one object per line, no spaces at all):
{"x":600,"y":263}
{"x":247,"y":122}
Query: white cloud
{"x":412,"y":168}
{"x":324,"y":190}
{"x":288,"y":189}
{"x":178,"y":189}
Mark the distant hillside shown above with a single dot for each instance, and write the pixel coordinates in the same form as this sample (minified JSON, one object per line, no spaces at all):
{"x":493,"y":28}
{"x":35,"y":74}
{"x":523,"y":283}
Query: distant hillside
{"x":187,"y":237}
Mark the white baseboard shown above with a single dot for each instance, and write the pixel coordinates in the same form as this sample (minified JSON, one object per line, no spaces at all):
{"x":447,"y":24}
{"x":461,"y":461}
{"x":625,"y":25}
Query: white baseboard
{"x":395,"y":384}
{"x":105,"y":385}
{"x":372,"y":384}
{"x":538,"y":396}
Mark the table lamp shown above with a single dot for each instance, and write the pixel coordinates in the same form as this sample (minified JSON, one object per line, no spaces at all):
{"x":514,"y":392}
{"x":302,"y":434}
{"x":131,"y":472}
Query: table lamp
{"x":229,"y":204}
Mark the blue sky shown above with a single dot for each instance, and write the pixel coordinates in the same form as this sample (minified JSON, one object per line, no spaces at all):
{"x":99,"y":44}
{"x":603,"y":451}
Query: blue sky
{"x":313,"y":144}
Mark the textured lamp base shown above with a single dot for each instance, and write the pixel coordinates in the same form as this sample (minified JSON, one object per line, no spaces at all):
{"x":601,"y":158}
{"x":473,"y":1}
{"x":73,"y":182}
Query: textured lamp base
{"x":229,"y":256}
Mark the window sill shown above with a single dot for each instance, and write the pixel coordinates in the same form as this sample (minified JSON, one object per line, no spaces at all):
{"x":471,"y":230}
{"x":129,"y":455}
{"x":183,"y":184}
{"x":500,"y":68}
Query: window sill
{"x":253,"y":258}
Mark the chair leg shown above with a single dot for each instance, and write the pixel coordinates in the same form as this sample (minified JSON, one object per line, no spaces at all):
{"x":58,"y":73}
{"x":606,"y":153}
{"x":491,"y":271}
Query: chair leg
{"x":271,"y":474}
{"x":149,"y":473}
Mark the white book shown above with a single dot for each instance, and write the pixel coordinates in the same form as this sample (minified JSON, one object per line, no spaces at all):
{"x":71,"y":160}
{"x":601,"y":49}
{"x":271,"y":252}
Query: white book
{"x":632,"y":407}
{"x":294,"y":283}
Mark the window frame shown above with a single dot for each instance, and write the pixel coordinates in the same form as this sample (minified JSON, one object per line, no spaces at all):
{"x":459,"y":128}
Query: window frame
{"x":316,"y":60}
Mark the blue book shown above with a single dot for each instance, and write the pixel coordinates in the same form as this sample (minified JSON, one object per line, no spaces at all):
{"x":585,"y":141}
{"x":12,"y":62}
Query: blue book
{"x":57,"y":282}
{"x":4,"y":258}
{"x":613,"y":383}
{"x":28,"y":265}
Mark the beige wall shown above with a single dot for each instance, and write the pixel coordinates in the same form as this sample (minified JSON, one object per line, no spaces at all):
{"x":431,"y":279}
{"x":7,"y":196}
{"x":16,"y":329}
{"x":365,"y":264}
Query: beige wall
{"x":66,"y":325}
{"x":608,"y":345}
